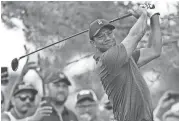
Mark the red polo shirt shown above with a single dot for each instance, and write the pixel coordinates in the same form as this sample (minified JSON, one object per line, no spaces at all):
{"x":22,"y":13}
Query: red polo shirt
{"x":124,"y":84}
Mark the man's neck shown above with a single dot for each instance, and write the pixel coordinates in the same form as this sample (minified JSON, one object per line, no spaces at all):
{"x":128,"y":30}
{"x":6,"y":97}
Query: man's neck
{"x":17,"y":114}
{"x":97,"y":55}
{"x":59,"y":108}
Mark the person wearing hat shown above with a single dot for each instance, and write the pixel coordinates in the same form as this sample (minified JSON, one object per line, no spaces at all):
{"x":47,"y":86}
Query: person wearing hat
{"x":52,"y":107}
{"x":57,"y":94}
{"x":118,"y":64}
{"x":22,"y":101}
{"x":2,"y":101}
{"x":87,"y":106}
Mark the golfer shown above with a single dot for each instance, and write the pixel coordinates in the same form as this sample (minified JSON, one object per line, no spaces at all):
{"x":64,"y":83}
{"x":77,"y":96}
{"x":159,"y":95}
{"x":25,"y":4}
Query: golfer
{"x":118,"y":64}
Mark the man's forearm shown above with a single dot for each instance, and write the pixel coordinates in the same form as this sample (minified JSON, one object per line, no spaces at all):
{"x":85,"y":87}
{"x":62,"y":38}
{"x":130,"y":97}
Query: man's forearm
{"x":135,"y":34}
{"x":139,"y":28}
{"x":156,"y":34}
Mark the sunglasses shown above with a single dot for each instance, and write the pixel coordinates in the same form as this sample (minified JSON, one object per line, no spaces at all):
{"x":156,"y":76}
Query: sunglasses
{"x":31,"y":99}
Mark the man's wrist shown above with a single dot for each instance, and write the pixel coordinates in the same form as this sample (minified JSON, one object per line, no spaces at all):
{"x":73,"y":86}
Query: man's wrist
{"x":155,"y":20}
{"x":151,"y":13}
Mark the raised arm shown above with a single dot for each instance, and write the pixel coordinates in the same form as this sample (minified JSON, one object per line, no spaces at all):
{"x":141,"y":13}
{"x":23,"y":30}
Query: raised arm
{"x":137,"y":31}
{"x":148,"y":54}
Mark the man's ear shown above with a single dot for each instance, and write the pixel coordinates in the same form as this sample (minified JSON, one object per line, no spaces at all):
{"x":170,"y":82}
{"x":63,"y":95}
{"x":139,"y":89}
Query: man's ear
{"x":12,"y":100}
{"x":93,"y":43}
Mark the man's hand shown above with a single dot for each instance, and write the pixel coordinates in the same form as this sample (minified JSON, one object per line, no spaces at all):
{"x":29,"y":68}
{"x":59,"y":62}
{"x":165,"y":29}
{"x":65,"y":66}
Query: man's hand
{"x":5,"y":117}
{"x":151,"y":11}
{"x":137,"y":11}
{"x":28,"y":65}
{"x":172,"y":114}
{"x":166,"y":101}
{"x":41,"y":112}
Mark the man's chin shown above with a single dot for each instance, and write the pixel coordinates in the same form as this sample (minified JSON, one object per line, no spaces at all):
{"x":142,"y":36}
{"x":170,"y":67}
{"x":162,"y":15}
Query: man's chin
{"x":24,"y":110}
{"x":60,"y":101}
{"x":113,"y":44}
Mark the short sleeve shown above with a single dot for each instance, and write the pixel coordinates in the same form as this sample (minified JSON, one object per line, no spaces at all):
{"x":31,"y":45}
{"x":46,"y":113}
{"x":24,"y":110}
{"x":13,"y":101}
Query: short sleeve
{"x":115,"y":57}
{"x":136,"y":55}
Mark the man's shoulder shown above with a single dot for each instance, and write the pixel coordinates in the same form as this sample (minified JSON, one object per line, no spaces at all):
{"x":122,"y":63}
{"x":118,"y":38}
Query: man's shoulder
{"x":5,"y":117}
{"x":70,"y":112}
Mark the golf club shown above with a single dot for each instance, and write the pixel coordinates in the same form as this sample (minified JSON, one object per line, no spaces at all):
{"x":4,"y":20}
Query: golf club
{"x":15,"y":61}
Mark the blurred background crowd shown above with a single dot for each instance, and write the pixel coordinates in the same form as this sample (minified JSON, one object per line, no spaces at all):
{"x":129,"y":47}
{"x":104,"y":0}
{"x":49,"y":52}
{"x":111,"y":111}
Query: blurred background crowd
{"x":37,"y":24}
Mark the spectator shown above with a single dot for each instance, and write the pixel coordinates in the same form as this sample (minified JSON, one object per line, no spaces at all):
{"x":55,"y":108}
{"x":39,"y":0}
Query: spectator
{"x":58,"y":90}
{"x":22,"y":101}
{"x":2,"y":102}
{"x":26,"y":68}
{"x":87,"y":106}
{"x":163,"y":110}
{"x":4,"y":76}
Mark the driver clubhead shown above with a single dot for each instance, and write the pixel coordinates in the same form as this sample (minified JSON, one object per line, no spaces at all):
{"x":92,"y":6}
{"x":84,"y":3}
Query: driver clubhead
{"x":14,"y":64}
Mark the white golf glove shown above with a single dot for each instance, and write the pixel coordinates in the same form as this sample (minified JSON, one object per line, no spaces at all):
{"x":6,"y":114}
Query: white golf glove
{"x":151,"y":9}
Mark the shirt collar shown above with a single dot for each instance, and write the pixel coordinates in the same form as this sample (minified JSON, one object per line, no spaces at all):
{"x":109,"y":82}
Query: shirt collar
{"x":96,"y":57}
{"x":64,"y":112}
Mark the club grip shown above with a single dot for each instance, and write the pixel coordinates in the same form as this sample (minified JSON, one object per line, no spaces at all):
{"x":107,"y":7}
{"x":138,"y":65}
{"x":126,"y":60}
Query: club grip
{"x":121,"y":17}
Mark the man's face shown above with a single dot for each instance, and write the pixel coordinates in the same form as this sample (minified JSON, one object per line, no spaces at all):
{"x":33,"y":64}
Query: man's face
{"x":87,"y":109}
{"x":104,"y":40}
{"x":23,"y":101}
{"x":58,"y":92}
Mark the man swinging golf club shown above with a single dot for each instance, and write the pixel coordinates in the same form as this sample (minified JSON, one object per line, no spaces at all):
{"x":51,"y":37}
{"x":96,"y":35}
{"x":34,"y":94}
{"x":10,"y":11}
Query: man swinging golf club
{"x":118,"y":64}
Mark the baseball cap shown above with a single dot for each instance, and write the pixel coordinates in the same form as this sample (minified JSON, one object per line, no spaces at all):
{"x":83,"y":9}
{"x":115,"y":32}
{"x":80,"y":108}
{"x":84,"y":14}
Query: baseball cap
{"x":97,"y":25}
{"x":23,"y":87}
{"x":57,"y":76}
{"x":86,"y":94}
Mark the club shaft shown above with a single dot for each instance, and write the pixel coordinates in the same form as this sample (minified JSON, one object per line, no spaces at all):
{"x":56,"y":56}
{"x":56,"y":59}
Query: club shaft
{"x":122,"y":17}
{"x":54,"y":43}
